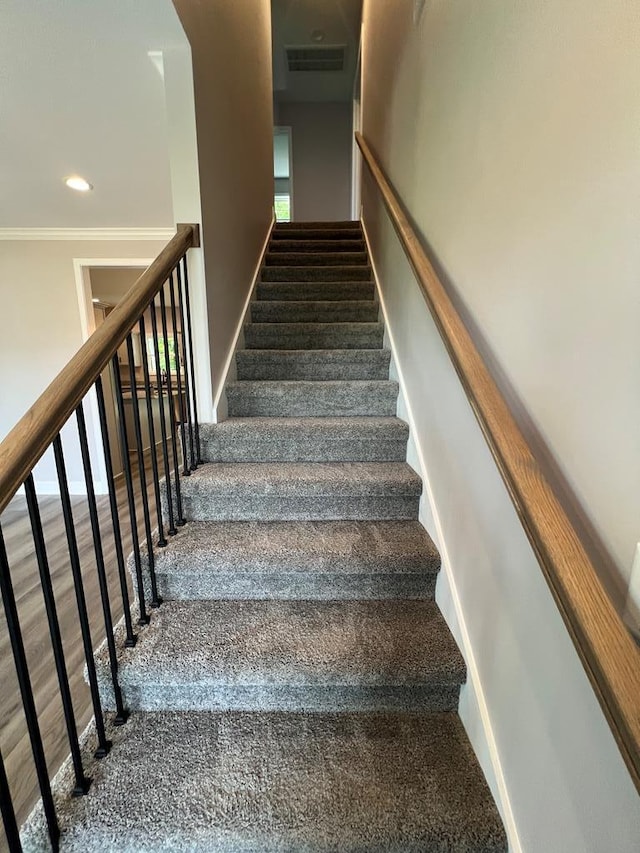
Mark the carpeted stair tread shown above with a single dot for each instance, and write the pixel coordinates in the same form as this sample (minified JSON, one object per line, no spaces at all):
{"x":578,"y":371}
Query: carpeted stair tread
{"x":310,"y":439}
{"x":301,"y":491}
{"x":302,"y":245}
{"x":318,"y":234}
{"x":297,"y":560}
{"x":306,"y":311}
{"x":316,"y":364}
{"x":309,"y":398}
{"x":316,"y":291}
{"x":305,"y":478}
{"x":318,"y":225}
{"x":317,"y":259}
{"x":335,"y":272}
{"x":193,"y":782}
{"x":290,"y":655}
{"x":323,"y":336}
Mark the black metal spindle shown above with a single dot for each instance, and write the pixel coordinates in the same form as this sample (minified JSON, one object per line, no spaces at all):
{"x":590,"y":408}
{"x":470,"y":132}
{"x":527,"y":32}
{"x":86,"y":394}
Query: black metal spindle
{"x":186,"y":466}
{"x":81,"y":781}
{"x":152,"y":434}
{"x":183,"y":355}
{"x":163,"y":424}
{"x":156,"y":601}
{"x":8,"y":813}
{"x":187,"y":305}
{"x":122,"y":714}
{"x":104,"y":745}
{"x":26,"y":691}
{"x":131,"y":498}
{"x":174,"y":443}
{"x":130,"y":637}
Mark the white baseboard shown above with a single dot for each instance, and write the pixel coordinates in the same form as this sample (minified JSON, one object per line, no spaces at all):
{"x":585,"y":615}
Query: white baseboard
{"x":219,"y":402}
{"x":473,"y":708}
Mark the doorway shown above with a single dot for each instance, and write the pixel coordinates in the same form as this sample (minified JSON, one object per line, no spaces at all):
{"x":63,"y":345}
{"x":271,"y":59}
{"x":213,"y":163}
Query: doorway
{"x":282,"y":174}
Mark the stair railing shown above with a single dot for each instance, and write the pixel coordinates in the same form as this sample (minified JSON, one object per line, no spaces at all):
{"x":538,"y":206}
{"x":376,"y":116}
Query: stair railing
{"x":608,"y":653}
{"x":163,"y":287}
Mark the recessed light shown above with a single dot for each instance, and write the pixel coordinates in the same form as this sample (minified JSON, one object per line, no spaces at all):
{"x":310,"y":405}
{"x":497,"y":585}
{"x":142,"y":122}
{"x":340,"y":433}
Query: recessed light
{"x":77,"y":183}
{"x":317,"y":35}
{"x":95,"y":300}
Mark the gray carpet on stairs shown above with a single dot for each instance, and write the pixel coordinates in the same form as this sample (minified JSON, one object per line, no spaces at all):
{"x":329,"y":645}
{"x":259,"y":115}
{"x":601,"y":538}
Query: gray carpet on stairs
{"x":296,"y":692}
{"x":305,"y":560}
{"x":316,"y":364}
{"x":199,"y":782}
{"x":291,"y":655}
{"x":308,"y":439}
{"x":302,"y":398}
{"x":314,"y":336}
{"x":299,"y":491}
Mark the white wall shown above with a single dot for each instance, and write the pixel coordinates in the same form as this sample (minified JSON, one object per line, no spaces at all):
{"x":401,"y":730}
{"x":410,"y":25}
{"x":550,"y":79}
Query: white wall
{"x":321,"y":149}
{"x":511,"y":131}
{"x":40,"y":326}
{"x":511,"y":134}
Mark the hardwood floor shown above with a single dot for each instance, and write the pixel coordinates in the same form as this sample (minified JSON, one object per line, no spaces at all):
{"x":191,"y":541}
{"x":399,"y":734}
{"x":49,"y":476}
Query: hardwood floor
{"x":14,"y":739}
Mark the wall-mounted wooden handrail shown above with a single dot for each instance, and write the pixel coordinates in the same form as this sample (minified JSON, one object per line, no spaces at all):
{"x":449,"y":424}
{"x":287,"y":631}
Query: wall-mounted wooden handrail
{"x":35,"y":431}
{"x":608,"y":653}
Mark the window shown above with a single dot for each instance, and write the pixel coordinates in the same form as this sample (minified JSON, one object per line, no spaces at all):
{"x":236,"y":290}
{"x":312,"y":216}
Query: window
{"x":282,"y":204}
{"x":171,"y":345}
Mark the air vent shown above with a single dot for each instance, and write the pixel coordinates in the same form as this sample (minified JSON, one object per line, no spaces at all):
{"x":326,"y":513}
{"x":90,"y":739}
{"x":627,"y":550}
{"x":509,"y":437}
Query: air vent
{"x":316,"y":58}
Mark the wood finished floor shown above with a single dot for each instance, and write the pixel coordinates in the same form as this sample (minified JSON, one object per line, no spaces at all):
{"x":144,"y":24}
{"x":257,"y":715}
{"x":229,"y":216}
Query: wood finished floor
{"x":14,"y":739}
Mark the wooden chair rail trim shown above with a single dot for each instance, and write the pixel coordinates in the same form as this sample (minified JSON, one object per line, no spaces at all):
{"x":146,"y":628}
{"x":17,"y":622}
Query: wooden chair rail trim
{"x":35,"y":431}
{"x":608,"y":652}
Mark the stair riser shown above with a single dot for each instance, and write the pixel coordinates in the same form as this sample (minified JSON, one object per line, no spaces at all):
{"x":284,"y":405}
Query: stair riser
{"x":327,"y":698}
{"x":318,"y":225}
{"x":316,"y":273}
{"x":320,"y":450}
{"x":270,"y":364}
{"x":315,"y":259}
{"x":310,"y":336}
{"x":314,"y":312}
{"x":320,"y":235}
{"x":211,"y":585}
{"x":330,"y":291}
{"x":311,"y":400}
{"x":247,"y":507}
{"x":303,"y":245}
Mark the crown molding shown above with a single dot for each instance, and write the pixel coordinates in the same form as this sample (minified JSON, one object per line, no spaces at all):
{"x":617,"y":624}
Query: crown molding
{"x":162,"y":234}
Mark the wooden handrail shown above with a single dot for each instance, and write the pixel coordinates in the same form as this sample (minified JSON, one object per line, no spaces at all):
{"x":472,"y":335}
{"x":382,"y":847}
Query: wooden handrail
{"x":34,"y":432}
{"x":608,"y":653}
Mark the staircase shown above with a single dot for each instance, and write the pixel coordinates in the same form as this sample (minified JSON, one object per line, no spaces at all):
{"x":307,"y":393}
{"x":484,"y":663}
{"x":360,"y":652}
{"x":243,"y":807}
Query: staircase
{"x":297,"y":689}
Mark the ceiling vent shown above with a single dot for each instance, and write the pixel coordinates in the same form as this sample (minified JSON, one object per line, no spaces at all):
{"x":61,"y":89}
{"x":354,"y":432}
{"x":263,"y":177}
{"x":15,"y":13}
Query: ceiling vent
{"x":316,"y":58}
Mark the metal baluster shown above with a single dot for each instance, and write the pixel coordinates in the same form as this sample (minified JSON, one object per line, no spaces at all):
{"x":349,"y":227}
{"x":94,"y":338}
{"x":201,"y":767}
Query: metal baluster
{"x":104,"y":745}
{"x":8,"y":812}
{"x":156,"y":601}
{"x":186,"y":466}
{"x":26,"y":691}
{"x":174,"y":449}
{"x":152,"y":435}
{"x":163,"y":423}
{"x":122,"y":714}
{"x":191,"y":364}
{"x":82,"y":782}
{"x":187,"y":393}
{"x":130,"y":637}
{"x":131,"y":498}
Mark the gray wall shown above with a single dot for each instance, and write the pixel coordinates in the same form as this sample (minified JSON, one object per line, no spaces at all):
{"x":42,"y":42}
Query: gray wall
{"x":231,"y":49}
{"x":321,"y":143}
{"x":517,"y":160}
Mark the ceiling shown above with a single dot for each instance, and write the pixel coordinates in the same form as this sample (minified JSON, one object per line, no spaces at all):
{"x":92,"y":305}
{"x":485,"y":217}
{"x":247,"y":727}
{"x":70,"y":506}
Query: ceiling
{"x":293,"y":22}
{"x":80,"y":95}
